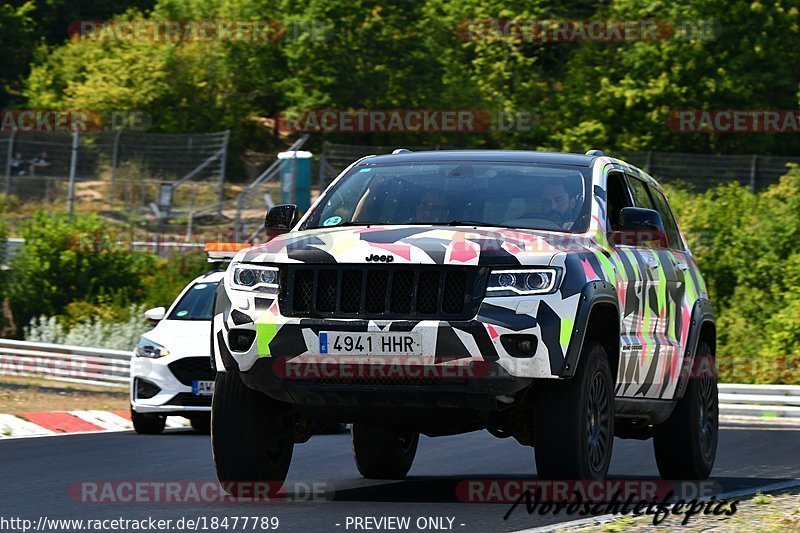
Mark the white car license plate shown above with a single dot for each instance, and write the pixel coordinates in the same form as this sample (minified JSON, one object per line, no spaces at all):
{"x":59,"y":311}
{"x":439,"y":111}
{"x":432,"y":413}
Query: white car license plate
{"x":203,"y":388}
{"x":372,"y":343}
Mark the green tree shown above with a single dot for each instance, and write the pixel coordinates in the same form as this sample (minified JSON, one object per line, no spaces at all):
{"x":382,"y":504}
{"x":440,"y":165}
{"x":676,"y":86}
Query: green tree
{"x":16,"y":44}
{"x":620,"y":95}
{"x":61,"y":263}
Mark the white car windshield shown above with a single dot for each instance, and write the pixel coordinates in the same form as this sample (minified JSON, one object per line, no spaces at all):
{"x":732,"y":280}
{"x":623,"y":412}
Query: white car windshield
{"x":196,"y":303}
{"x":502,"y":194}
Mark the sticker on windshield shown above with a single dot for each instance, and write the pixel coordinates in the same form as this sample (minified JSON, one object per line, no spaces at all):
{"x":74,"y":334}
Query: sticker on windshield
{"x":365,"y":170}
{"x":332,"y":221}
{"x":200,"y":286}
{"x":182,"y":313}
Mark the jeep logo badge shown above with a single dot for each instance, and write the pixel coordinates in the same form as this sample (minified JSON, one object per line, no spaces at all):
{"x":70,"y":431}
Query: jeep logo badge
{"x":380,"y":258}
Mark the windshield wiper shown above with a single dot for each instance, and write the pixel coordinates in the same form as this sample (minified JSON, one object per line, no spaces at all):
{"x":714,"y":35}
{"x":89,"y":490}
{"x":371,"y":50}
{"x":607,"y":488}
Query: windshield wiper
{"x":473,"y":223}
{"x":350,"y":223}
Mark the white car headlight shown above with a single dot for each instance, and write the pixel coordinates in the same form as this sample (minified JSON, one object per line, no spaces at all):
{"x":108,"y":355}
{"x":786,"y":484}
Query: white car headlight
{"x":522,"y":282}
{"x":148,"y":348}
{"x":259,"y":278}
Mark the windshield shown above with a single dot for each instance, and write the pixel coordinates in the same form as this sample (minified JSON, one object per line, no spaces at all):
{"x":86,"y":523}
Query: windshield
{"x":196,"y":303}
{"x":516,"y":195}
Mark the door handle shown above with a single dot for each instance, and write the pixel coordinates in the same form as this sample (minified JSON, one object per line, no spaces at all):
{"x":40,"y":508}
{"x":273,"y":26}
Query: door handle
{"x":652,"y":263}
{"x":683,"y":266}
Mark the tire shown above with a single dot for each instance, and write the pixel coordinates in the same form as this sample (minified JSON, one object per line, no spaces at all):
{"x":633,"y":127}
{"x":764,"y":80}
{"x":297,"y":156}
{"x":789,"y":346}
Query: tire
{"x":685,"y":444}
{"x":148,"y":423}
{"x":383,"y":452}
{"x":201,"y":424}
{"x":574,"y":420}
{"x":252,"y":436}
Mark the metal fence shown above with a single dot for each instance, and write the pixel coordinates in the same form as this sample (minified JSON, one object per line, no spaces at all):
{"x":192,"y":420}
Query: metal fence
{"x":700,"y":171}
{"x":336,"y":157}
{"x":124,"y":170}
{"x":78,"y":364}
{"x":248,"y":208}
{"x":703,"y":171}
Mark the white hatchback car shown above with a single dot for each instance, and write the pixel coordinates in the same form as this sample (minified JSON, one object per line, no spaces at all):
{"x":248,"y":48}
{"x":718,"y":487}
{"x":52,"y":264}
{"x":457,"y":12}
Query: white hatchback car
{"x":171,"y":373}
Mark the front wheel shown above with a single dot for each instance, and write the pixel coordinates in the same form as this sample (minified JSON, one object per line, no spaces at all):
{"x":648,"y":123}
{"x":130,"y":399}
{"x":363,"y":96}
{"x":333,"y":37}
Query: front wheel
{"x":685,"y":444}
{"x":252,"y":436}
{"x":383,"y":452}
{"x":148,"y":423}
{"x":574,"y":420}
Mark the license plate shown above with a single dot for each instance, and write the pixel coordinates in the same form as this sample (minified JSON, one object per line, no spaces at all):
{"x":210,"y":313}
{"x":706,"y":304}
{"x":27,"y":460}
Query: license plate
{"x":203,"y":388}
{"x":373,"y":343}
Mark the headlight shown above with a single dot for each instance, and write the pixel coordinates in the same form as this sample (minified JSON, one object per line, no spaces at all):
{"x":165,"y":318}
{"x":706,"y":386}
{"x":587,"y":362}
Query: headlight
{"x":522,"y":282}
{"x":148,"y":348}
{"x":254,"y":278}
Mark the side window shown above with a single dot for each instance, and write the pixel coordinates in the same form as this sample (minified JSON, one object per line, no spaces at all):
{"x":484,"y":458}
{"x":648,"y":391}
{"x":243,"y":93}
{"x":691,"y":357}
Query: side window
{"x":670,"y":226}
{"x":640,"y":196}
{"x":618,"y":197}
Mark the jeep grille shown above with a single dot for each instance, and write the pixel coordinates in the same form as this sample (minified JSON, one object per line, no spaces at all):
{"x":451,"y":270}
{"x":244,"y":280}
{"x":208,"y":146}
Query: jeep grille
{"x":382,"y":291}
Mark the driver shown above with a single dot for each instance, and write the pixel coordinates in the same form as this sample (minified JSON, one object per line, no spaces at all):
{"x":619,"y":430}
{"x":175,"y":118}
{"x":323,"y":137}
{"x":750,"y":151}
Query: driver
{"x":559,"y":204}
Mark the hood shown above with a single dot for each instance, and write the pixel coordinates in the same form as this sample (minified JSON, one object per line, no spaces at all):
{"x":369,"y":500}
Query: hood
{"x":441,"y":245}
{"x":182,"y":337}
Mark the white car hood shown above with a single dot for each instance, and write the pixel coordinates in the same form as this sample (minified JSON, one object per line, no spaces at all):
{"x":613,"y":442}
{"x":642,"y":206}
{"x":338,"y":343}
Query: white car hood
{"x":183,"y":337}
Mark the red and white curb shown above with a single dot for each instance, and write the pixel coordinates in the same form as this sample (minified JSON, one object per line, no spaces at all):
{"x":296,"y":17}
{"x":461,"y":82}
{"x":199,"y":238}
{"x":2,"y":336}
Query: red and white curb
{"x":51,"y":423}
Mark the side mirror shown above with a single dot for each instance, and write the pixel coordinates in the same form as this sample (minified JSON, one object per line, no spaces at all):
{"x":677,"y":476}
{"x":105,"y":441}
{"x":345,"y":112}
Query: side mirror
{"x":155,"y":314}
{"x":281,"y":217}
{"x":639,"y":227}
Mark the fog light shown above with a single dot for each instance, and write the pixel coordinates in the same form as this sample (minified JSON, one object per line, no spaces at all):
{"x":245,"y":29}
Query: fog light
{"x":520,"y":345}
{"x":145,"y":389}
{"x":240,"y":340}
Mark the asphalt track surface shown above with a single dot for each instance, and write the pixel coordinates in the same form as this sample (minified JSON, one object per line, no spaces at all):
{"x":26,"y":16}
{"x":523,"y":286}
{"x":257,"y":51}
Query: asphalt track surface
{"x":37,"y":474}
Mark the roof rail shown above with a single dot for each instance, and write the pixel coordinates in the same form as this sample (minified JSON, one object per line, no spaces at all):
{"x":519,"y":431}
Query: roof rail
{"x":597,"y":153}
{"x":401,"y":151}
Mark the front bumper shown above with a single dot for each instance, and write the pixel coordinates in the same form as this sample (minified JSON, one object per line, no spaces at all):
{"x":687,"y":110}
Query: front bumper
{"x":175,"y":394}
{"x":547,"y":319}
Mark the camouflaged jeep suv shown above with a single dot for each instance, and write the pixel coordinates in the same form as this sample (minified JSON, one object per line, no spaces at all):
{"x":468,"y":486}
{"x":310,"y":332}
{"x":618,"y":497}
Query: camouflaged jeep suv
{"x":549,"y":297}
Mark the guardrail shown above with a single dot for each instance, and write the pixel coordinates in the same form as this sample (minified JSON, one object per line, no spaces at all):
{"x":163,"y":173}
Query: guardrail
{"x":65,"y":363}
{"x":763,"y":401}
{"x":111,"y":368}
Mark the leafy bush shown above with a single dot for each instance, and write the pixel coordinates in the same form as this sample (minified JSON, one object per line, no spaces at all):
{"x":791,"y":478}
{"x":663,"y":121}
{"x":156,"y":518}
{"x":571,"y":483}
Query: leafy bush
{"x":746,"y":246}
{"x":170,"y":275}
{"x":62,"y":263}
{"x":95,"y":332}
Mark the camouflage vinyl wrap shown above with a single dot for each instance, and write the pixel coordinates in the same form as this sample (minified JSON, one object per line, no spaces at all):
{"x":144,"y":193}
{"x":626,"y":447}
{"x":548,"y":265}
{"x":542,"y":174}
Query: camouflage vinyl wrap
{"x":656,"y":290}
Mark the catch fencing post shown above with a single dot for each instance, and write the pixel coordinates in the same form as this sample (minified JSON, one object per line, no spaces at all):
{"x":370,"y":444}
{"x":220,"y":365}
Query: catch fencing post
{"x":73,"y":164}
{"x":753,"y":172}
{"x":648,"y":162}
{"x":114,"y":161}
{"x":222,"y":162}
{"x":8,"y":160}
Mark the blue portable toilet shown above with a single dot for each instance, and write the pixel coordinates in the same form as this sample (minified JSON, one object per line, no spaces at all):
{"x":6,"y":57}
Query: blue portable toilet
{"x":295,"y":170}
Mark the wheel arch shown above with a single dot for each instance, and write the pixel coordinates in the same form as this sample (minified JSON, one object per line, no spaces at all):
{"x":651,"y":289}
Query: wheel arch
{"x":702,"y":327}
{"x":597,"y":319}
